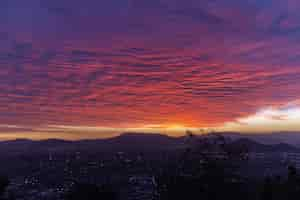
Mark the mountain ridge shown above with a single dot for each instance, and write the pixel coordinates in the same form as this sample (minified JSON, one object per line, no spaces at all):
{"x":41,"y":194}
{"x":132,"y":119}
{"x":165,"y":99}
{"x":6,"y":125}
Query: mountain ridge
{"x":132,"y":141}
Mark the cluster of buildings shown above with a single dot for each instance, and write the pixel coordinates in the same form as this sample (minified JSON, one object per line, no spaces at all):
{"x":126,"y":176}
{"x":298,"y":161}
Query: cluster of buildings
{"x":52,"y":177}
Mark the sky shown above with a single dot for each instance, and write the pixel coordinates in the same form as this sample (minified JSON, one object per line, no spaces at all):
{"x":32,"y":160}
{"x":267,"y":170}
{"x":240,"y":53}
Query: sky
{"x":92,"y":69}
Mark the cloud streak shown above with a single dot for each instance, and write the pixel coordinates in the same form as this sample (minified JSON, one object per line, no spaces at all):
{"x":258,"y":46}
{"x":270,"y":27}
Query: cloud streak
{"x":124,"y":64}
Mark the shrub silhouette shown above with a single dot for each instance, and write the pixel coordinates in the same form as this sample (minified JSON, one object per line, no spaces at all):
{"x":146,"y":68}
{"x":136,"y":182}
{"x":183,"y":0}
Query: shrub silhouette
{"x":207,"y":170}
{"x":4,"y":182}
{"x":81,"y":191}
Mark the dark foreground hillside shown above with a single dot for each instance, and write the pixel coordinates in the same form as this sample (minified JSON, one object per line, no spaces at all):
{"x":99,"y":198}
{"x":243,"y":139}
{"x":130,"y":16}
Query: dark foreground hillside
{"x":135,"y":166}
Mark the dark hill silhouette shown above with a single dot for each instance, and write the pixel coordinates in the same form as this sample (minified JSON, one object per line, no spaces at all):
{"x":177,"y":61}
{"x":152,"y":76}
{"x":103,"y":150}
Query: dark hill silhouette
{"x":124,"y":142}
{"x":291,"y":138}
{"x":135,"y":141}
{"x":129,"y":141}
{"x":145,"y":139}
{"x":258,"y":147}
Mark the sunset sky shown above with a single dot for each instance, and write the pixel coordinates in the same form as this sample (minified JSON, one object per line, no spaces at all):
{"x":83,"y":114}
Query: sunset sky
{"x":92,"y":69}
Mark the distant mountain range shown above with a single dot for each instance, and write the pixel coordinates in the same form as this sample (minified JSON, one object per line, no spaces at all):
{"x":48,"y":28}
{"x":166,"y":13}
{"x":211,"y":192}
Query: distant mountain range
{"x":139,"y":141}
{"x":292,"y":138}
{"x":258,"y":147}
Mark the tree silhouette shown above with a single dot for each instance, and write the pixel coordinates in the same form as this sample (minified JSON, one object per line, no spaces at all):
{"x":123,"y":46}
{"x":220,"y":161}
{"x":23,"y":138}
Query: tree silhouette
{"x":267,"y":193}
{"x":82,"y":191}
{"x":293,"y":184}
{"x":208,"y":170}
{"x":4,"y":182}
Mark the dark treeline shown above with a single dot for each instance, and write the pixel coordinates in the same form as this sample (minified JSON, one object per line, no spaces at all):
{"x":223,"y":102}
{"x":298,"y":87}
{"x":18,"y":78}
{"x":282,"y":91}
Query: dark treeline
{"x":209,"y":170}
